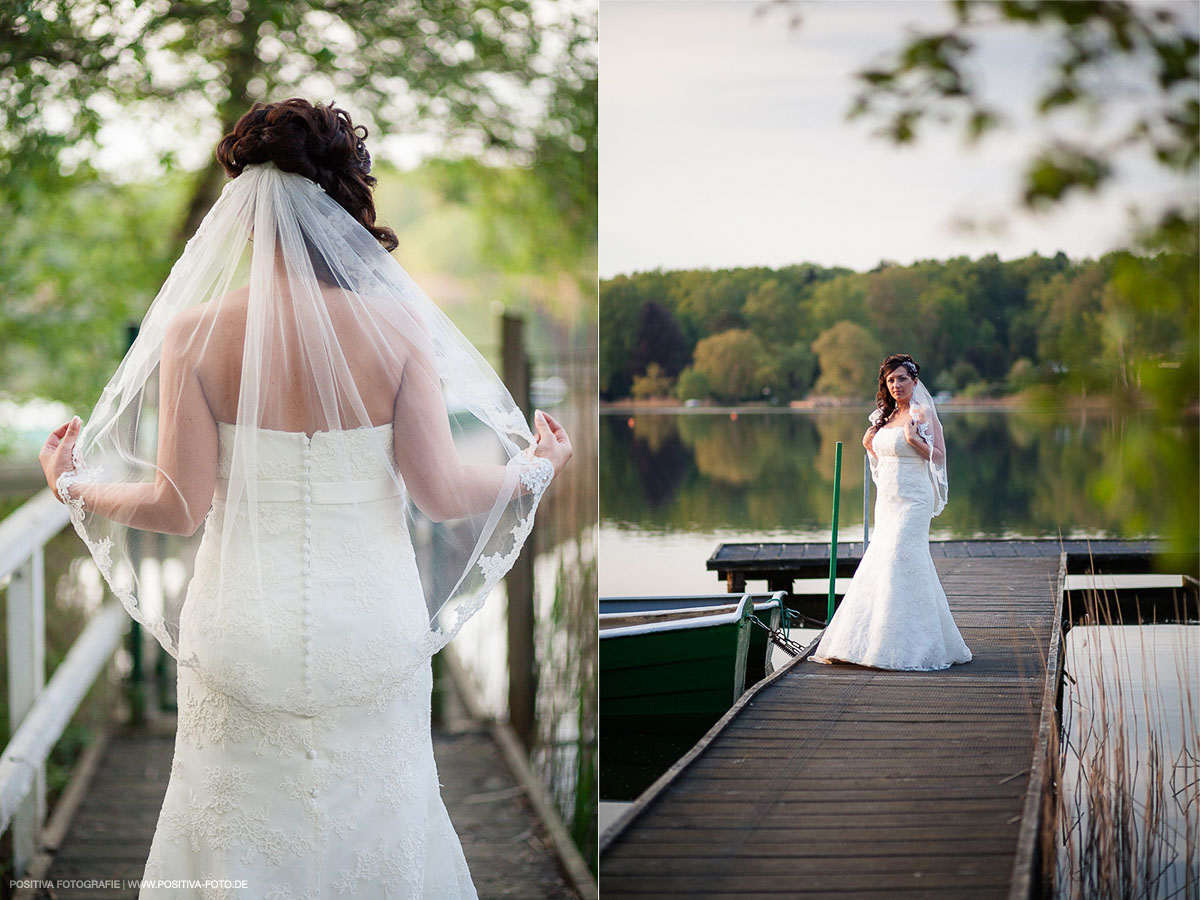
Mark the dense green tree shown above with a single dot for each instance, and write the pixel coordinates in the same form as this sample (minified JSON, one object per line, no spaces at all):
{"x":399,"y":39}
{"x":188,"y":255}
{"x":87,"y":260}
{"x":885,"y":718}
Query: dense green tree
{"x":659,"y":341}
{"x":844,"y":297}
{"x":848,"y":356}
{"x":731,"y":361}
{"x":788,"y":372}
{"x":654,"y":383}
{"x":620,"y":305}
{"x":693,"y":385}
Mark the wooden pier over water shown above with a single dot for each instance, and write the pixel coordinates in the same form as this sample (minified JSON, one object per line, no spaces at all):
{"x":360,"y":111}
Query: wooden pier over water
{"x":841,"y":781}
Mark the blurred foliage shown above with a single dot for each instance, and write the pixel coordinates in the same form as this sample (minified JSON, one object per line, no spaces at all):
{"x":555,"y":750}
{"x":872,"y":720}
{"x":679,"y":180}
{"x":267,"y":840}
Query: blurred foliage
{"x":507,"y":90}
{"x":500,"y":76}
{"x":77,"y":272}
{"x":1154,"y":46}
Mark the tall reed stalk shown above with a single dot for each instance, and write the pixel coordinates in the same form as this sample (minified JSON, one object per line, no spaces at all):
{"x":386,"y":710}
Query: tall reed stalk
{"x":1127,"y":767}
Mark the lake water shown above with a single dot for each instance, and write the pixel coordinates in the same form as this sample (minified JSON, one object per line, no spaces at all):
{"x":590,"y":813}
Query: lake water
{"x":1130,"y":779}
{"x":675,"y":485}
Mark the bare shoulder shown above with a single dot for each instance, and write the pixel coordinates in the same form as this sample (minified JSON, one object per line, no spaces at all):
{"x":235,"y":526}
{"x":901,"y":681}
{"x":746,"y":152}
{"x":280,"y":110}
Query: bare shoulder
{"x":200,"y":327}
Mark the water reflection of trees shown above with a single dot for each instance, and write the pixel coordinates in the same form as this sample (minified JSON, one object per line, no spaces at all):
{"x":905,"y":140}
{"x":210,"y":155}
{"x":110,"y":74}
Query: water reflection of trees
{"x":1011,"y":473}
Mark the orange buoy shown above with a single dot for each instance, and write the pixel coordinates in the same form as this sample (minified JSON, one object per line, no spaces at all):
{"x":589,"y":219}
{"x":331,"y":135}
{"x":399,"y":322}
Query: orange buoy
{"x":733,"y":417}
{"x":630,"y":422}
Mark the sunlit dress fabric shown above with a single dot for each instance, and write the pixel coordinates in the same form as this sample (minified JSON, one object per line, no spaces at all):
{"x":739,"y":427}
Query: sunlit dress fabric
{"x":303,"y":765}
{"x":895,"y":614}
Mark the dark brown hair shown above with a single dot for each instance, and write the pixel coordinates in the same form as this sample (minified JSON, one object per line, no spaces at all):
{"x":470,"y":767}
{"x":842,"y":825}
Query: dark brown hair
{"x":319,"y":142}
{"x":884,"y":401}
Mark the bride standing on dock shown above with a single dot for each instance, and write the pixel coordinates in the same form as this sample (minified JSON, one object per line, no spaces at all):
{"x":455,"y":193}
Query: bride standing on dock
{"x":895,"y":614}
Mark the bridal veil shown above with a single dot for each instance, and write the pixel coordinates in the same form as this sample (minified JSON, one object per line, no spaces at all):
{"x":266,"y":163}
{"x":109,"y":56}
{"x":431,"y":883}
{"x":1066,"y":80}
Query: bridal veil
{"x":289,"y":311}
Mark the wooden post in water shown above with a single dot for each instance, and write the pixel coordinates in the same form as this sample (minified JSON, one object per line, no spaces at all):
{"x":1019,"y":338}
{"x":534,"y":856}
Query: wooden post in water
{"x":833,"y":553}
{"x":522,"y":667}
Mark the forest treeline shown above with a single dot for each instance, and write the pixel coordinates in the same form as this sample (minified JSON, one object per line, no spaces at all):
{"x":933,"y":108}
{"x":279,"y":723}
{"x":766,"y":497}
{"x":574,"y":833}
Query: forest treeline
{"x":981,"y":327}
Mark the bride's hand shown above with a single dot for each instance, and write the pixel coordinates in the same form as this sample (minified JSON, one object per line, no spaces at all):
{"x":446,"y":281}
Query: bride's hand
{"x":915,"y":440}
{"x":869,"y":438}
{"x":55,"y":455}
{"x":552,"y":441}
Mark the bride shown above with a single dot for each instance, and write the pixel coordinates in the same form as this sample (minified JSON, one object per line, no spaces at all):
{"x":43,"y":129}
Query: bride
{"x":291,"y":390}
{"x":895,"y":614}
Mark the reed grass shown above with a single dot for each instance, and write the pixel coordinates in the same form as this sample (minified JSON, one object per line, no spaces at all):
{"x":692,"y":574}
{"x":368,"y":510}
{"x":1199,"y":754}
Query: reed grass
{"x":1127,"y":800}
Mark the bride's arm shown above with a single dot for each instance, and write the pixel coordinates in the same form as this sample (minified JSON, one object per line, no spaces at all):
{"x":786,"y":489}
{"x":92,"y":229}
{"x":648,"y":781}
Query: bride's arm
{"x":440,"y":484}
{"x":178,"y":499}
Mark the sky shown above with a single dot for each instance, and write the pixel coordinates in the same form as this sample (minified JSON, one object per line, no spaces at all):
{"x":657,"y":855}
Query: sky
{"x":723,"y":142}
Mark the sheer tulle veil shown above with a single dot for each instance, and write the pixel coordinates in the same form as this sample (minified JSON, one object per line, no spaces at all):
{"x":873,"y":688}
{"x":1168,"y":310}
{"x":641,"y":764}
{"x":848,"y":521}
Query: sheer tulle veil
{"x":286,"y":312}
{"x":929,"y":426}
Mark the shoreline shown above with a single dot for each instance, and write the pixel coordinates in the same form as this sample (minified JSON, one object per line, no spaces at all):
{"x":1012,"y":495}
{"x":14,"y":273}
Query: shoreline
{"x":995,"y":404}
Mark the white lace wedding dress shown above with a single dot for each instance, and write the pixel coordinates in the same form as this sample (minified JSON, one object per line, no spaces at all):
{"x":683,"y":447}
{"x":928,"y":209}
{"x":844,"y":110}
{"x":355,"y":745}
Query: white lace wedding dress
{"x":303,"y":763}
{"x":895,"y":614}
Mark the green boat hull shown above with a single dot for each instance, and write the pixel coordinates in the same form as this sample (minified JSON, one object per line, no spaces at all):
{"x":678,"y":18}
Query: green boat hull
{"x":661,"y":691}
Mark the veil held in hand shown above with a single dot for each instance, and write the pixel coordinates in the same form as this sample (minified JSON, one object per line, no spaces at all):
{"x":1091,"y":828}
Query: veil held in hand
{"x":929,"y":427}
{"x":296,"y":392}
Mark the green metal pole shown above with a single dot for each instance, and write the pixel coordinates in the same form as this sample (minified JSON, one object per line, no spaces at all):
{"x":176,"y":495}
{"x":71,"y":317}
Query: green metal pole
{"x":833,"y":553}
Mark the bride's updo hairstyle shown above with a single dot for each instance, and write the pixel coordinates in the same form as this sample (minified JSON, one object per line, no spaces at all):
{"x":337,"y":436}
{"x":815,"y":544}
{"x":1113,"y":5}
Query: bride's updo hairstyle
{"x":884,"y":400}
{"x":319,"y":142}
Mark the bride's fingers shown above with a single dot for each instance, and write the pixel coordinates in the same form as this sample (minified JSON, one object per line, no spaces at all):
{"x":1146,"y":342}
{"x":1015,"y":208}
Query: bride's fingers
{"x":554,"y":425}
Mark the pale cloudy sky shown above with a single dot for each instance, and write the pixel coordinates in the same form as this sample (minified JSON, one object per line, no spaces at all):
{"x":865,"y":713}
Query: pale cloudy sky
{"x":723,"y":142}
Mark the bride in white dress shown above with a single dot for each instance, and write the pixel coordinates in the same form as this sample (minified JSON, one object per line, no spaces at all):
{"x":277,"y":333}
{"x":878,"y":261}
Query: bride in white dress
{"x":895,"y":614}
{"x":306,"y":391}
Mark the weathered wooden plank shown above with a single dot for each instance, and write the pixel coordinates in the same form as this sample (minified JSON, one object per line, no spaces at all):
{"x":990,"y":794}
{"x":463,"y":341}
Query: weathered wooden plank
{"x":851,"y":782}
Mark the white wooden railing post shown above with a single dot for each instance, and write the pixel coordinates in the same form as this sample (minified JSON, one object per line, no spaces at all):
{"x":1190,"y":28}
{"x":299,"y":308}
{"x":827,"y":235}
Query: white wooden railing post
{"x":26,"y":678}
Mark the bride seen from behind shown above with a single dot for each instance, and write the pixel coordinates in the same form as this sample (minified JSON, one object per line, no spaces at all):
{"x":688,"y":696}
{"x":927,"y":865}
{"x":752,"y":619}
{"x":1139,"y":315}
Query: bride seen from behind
{"x":307,"y":391}
{"x":895,"y":614}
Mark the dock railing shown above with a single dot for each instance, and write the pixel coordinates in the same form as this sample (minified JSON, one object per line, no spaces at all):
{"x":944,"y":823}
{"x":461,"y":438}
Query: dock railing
{"x":38,"y":711}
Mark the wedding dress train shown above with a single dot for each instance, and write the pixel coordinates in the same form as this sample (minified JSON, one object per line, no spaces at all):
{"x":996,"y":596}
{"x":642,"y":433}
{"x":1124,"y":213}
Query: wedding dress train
{"x":895,"y":614}
{"x":303,"y":765}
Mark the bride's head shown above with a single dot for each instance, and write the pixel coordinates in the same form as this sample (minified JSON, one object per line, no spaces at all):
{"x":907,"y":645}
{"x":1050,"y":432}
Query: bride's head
{"x":897,"y":379}
{"x":319,"y":142}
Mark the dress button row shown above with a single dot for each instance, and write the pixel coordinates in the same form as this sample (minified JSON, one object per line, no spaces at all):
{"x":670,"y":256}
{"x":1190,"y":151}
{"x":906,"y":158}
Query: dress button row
{"x":306,"y":573}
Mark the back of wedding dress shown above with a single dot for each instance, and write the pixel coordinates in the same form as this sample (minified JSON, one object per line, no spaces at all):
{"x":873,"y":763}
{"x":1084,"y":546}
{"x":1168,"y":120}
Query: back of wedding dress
{"x":293,"y":393}
{"x":289,"y":348}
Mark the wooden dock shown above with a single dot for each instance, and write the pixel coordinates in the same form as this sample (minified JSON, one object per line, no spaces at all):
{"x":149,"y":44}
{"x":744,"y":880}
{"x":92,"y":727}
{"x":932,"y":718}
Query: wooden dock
{"x":108,"y":835}
{"x":841,"y":781}
{"x":779,"y":563}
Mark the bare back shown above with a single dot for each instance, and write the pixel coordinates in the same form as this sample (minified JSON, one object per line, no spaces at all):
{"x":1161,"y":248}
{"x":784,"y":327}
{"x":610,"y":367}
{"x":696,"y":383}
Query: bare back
{"x":297,"y":402}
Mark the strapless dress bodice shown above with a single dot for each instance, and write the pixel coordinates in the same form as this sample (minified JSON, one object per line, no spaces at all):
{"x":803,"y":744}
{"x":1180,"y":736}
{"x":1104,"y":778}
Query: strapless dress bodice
{"x":348,"y":466}
{"x":891,"y":443}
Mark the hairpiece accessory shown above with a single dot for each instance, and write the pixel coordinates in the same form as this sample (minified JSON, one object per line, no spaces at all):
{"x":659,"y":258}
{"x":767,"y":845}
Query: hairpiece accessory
{"x":911,"y":366}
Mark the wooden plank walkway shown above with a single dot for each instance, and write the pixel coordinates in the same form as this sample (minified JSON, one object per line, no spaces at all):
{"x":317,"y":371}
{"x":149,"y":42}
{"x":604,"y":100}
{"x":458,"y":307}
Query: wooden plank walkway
{"x":109,"y":836}
{"x":841,"y":781}
{"x":779,"y":563}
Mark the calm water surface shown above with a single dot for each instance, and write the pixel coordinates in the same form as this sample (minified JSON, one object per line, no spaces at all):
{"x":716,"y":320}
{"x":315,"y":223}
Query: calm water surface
{"x":675,"y":485}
